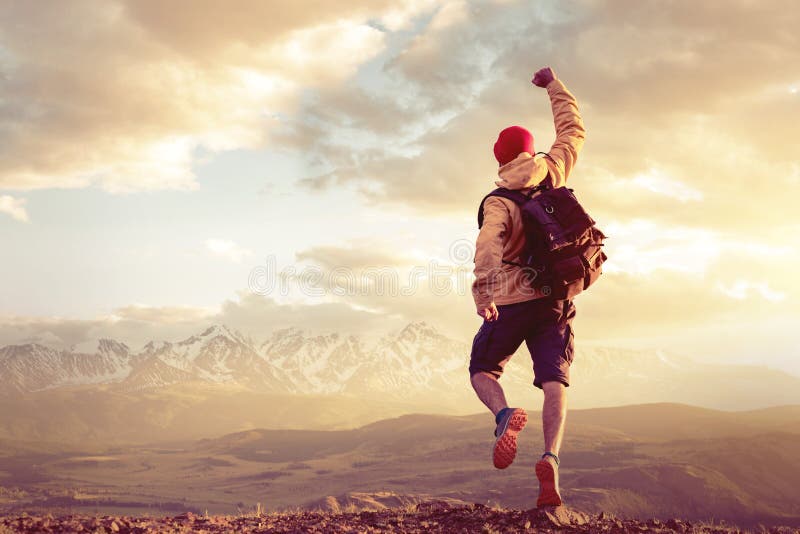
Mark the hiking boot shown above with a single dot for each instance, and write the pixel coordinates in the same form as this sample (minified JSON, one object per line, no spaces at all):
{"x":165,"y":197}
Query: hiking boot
{"x":547,"y":473}
{"x":505,"y":444}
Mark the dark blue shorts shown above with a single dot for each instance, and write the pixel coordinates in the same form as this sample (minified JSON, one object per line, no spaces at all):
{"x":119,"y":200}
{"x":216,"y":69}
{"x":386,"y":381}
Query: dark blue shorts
{"x":545,"y":325}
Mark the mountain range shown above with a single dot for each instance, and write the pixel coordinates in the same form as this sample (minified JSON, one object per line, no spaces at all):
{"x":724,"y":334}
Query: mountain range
{"x":418,"y":364}
{"x":289,"y":361}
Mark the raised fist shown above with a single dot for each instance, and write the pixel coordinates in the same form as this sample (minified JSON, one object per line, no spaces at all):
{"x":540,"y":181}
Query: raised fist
{"x":543,"y":77}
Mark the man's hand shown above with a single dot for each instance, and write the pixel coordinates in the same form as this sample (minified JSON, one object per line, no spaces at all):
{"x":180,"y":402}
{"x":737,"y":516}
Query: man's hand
{"x":543,"y":77}
{"x":490,"y":313}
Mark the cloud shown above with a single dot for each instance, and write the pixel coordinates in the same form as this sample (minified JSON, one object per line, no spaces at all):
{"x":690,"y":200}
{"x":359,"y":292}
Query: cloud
{"x":659,"y":90}
{"x":743,"y":289}
{"x":642,"y":246}
{"x":163,"y":315}
{"x":207,"y":30}
{"x":659,"y":282}
{"x":260,"y":315}
{"x":54,"y":331}
{"x":658,"y":182}
{"x":15,"y":207}
{"x":359,"y":254}
{"x":120,"y":94}
{"x":669,"y":115}
{"x":136,"y":325}
{"x":227,"y":249}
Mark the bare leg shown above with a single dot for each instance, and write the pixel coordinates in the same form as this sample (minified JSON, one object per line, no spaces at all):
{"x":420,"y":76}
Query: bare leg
{"x":554,"y":413}
{"x":489,"y":391}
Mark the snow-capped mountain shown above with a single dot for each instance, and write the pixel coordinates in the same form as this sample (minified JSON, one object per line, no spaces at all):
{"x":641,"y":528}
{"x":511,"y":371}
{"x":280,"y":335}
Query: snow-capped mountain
{"x":217,"y":355}
{"x":35,"y":367}
{"x":289,"y":361}
{"x":417,"y":365}
{"x":418,"y":359}
{"x":317,"y":363}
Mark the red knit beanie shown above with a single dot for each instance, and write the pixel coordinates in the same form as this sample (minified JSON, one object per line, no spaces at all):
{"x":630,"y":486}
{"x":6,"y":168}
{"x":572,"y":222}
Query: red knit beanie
{"x":511,"y":142}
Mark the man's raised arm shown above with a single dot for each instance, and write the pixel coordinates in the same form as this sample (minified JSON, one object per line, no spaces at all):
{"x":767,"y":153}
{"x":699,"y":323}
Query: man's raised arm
{"x":570,"y":132}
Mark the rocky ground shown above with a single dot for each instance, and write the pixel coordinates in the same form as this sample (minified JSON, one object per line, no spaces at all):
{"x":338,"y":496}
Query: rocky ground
{"x":436,"y":516}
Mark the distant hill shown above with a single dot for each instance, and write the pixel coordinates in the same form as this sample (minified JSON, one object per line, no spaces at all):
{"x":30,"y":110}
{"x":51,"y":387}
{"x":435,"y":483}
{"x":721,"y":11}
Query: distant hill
{"x":645,"y":461}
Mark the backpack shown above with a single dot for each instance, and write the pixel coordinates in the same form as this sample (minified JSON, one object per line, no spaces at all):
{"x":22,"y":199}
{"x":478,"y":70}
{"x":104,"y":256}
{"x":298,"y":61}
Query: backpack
{"x":563,"y":252}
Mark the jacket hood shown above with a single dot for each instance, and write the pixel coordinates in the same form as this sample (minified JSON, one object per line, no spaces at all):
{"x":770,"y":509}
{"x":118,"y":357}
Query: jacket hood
{"x":523,"y":171}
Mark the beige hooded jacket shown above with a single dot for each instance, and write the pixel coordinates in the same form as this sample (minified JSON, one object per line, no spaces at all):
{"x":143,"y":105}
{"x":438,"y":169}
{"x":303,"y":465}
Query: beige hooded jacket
{"x":501,"y":236}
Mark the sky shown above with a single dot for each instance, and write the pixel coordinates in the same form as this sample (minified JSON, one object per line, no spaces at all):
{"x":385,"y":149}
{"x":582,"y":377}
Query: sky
{"x":272,"y":164}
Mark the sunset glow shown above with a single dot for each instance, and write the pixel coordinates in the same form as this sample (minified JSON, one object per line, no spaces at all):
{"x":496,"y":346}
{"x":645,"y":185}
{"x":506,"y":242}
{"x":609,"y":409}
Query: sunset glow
{"x":151,"y":162}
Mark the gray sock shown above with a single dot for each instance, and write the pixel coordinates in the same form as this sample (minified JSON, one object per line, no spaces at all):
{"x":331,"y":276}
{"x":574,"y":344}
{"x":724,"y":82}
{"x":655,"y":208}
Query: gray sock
{"x":548,"y":453}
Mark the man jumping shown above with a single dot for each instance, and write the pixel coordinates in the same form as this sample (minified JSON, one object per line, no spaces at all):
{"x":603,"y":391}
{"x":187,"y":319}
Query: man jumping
{"x":511,"y":309}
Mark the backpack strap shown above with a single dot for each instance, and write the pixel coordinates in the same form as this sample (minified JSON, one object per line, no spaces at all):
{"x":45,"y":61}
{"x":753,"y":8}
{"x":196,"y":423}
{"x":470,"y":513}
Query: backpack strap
{"x":518,"y":197}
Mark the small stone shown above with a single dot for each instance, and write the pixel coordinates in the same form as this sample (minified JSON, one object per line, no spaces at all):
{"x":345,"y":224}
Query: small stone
{"x":114,"y":526}
{"x":674,"y":524}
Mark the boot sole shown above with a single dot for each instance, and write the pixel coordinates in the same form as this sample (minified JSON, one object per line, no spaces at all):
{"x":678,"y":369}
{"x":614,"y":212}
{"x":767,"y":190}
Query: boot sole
{"x":505,"y":447}
{"x":548,"y":485}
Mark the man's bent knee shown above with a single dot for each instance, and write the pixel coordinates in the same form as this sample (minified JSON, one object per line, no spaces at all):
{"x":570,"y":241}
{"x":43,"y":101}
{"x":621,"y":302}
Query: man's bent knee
{"x":488,"y":374}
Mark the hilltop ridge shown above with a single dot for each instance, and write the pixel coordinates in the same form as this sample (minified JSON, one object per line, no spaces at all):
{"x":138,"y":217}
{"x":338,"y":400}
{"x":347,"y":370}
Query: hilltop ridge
{"x":431,"y":516}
